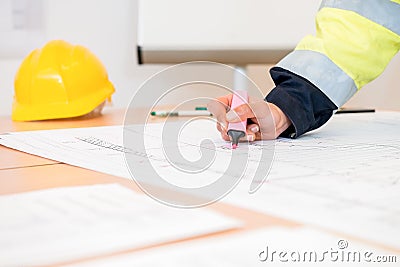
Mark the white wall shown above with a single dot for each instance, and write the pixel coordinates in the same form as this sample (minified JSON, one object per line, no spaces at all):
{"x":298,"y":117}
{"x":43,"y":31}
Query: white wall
{"x":108,"y":29}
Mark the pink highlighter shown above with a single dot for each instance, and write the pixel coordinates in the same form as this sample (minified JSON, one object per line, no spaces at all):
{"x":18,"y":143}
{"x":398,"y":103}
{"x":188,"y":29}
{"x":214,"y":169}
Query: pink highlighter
{"x":237,"y":130}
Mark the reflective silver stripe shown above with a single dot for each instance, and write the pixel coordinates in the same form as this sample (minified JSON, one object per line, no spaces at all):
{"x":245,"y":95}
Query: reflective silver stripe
{"x":382,"y":12}
{"x":322,"y":72}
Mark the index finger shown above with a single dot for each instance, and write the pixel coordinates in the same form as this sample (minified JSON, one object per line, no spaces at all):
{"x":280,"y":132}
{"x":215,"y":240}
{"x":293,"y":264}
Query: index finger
{"x":225,"y":100}
{"x":219,"y":106}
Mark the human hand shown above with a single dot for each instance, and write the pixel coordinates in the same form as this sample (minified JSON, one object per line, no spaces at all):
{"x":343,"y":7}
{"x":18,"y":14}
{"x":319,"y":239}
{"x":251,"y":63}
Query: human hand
{"x":264,"y":120}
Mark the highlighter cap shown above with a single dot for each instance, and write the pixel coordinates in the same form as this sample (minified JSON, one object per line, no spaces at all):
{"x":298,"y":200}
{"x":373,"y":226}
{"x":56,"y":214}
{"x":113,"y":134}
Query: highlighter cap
{"x":240,"y":97}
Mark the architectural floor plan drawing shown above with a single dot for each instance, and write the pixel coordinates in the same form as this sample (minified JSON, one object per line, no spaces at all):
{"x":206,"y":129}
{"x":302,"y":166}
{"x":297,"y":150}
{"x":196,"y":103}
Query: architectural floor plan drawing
{"x":41,"y":227}
{"x":344,"y":176}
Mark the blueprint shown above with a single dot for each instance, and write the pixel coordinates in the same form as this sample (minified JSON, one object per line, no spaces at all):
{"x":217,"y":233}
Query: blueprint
{"x":69,"y":223}
{"x":343,"y":177}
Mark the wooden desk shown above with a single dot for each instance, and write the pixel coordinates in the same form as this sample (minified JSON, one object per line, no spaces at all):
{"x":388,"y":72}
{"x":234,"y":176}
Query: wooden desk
{"x":21,"y":172}
{"x":11,"y":159}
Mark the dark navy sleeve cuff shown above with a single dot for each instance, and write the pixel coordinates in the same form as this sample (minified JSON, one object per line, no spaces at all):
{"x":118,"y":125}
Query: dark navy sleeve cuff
{"x":303,"y":103}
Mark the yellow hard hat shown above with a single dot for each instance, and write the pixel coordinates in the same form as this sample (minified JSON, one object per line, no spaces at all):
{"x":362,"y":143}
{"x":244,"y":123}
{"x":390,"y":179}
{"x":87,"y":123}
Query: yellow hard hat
{"x":59,"y":80}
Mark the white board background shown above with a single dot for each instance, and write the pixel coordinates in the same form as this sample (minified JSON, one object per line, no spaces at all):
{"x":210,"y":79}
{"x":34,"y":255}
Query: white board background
{"x":224,"y":24}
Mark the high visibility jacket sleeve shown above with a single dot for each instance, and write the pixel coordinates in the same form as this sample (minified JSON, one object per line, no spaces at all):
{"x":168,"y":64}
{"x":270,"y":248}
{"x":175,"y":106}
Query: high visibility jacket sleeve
{"x":354,"y":42}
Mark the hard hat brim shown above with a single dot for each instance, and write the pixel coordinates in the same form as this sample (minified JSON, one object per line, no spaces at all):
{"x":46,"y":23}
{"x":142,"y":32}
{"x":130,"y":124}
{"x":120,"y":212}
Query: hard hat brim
{"x":63,"y":110}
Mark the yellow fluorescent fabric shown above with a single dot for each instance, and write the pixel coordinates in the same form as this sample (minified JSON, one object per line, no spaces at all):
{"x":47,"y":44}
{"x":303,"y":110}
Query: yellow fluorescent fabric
{"x":396,"y":1}
{"x":360,"y":47}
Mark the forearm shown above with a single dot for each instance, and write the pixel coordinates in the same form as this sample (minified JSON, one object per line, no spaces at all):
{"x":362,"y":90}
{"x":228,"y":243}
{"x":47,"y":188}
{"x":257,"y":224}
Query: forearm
{"x":354,"y":43}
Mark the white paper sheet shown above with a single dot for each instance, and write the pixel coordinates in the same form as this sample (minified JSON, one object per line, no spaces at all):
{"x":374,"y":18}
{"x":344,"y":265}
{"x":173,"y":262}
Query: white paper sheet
{"x":101,"y":149}
{"x":344,"y":176}
{"x":250,"y":249}
{"x":64,"y":224}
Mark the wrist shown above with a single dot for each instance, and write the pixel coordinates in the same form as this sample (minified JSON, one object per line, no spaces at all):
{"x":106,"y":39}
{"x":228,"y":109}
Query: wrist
{"x":281,"y":121}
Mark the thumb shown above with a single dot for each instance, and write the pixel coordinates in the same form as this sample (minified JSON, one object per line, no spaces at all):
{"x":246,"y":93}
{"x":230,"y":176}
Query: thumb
{"x":240,"y":113}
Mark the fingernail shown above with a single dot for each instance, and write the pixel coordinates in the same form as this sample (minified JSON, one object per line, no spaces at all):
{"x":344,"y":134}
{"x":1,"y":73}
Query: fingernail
{"x":231,"y":115}
{"x":250,"y":138}
{"x":254,"y":129}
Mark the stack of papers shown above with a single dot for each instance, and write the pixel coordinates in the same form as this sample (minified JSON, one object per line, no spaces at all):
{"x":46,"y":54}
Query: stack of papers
{"x":343,"y":177}
{"x":65,"y":224}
